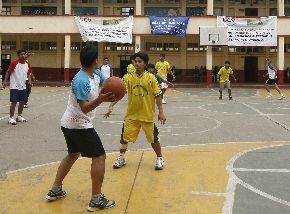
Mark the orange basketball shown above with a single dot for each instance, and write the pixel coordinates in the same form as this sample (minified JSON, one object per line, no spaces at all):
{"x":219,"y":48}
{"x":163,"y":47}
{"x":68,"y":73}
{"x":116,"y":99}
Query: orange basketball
{"x":115,"y":85}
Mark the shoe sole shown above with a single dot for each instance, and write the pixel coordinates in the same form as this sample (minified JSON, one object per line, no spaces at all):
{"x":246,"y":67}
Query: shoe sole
{"x":159,"y":168}
{"x":12,"y":123}
{"x":118,"y":167}
{"x":49,"y":199}
{"x":93,"y":209}
{"x":23,"y":121}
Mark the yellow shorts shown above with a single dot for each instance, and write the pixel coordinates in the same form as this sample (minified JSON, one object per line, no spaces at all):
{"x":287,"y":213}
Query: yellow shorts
{"x":131,"y":129}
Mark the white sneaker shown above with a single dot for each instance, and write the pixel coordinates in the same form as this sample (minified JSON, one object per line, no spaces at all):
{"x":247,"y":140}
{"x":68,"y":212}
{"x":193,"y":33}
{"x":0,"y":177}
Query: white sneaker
{"x":163,"y":101}
{"x":20,"y":119}
{"x":269,"y":96}
{"x":12,"y":121}
{"x":281,"y":97}
{"x":159,"y":163}
{"x":120,"y":162}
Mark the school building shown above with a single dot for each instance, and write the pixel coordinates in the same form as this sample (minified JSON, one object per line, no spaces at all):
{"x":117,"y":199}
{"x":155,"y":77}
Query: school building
{"x":47,"y":29}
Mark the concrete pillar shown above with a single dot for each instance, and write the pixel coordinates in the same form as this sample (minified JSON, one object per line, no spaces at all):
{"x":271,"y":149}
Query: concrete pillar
{"x":280,"y":62}
{"x":18,"y":7}
{"x":59,"y":8}
{"x":137,"y":43}
{"x":138,"y":9}
{"x":209,"y":65}
{"x":59,"y":51}
{"x":101,"y":7}
{"x":182,"y":60}
{"x":67,"y":57}
{"x":183,"y":8}
{"x":67,"y":7}
{"x":280,"y":7}
{"x":209,"y":8}
{"x":1,"y":6}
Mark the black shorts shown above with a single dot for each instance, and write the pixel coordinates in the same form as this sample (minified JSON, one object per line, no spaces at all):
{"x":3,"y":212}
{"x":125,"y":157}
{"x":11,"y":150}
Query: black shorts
{"x":18,"y":95}
{"x":85,"y":141}
{"x":271,"y":81}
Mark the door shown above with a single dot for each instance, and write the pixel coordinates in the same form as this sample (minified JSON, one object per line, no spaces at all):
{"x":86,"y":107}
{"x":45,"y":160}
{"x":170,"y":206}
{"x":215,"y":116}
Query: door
{"x":5,"y":62}
{"x":251,"y":11}
{"x":251,"y":68}
{"x":124,"y":62}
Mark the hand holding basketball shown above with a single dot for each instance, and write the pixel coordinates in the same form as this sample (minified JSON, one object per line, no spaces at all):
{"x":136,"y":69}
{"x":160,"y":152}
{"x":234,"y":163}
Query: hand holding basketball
{"x":115,"y":85}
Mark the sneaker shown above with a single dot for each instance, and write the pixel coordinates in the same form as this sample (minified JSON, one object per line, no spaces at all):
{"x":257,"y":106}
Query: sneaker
{"x":159,"y":163}
{"x":53,"y":195}
{"x":25,"y":106}
{"x":281,"y":97}
{"x":220,"y":98}
{"x":102,"y":203}
{"x":163,"y":101}
{"x":20,"y":119}
{"x":230,"y":98}
{"x":269,"y":96}
{"x":12,"y":121}
{"x":120,"y":162}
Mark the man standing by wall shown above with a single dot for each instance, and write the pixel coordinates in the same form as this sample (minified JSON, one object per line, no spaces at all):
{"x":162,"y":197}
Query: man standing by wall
{"x":18,"y":71}
{"x":106,"y":68}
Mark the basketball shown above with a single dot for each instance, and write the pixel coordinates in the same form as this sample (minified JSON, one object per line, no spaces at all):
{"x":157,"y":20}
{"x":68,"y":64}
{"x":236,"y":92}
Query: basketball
{"x":115,"y":85}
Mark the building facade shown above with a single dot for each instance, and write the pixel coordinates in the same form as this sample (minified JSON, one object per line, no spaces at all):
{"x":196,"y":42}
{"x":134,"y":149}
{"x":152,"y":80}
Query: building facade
{"x":46,"y":28}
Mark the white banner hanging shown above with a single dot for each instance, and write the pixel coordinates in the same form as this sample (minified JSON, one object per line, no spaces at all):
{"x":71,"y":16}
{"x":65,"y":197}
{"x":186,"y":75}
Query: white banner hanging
{"x":105,"y":30}
{"x":250,"y":31}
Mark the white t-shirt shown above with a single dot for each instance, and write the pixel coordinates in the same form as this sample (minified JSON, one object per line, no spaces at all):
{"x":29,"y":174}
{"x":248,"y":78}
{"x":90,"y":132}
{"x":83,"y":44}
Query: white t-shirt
{"x":106,"y":69}
{"x":18,"y":74}
{"x":84,"y":87}
{"x":271,"y":71}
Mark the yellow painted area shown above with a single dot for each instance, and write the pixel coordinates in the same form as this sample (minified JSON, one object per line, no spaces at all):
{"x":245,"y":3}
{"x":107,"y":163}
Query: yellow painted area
{"x":264,"y":93}
{"x":174,"y":92}
{"x":188,"y":168}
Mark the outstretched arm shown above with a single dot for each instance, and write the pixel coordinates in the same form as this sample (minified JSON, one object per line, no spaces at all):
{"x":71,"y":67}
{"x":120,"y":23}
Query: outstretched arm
{"x":108,"y":113}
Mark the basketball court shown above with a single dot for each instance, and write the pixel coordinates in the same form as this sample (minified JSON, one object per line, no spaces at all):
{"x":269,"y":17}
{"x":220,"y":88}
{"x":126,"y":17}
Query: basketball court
{"x":221,"y":156}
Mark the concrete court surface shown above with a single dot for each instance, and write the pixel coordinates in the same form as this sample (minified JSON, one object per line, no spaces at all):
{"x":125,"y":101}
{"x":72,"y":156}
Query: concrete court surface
{"x":221,"y":156}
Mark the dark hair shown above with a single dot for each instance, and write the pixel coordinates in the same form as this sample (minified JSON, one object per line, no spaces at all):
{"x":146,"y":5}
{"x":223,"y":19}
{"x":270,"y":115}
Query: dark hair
{"x":142,"y":55}
{"x":88,"y":55}
{"x":21,"y":51}
{"x":150,"y":66}
{"x":106,"y":58}
{"x":162,"y":54}
{"x":268,"y":59}
{"x":227,"y":62}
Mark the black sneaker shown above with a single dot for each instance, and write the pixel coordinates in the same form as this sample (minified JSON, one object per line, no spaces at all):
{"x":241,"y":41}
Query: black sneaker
{"x":220,"y":97}
{"x":103,"y":203}
{"x":230,"y":98}
{"x":53,"y":195}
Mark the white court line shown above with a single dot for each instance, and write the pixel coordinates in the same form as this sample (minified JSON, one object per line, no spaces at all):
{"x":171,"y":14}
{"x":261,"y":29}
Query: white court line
{"x":260,"y":170}
{"x":208,"y":193}
{"x":234,"y":180}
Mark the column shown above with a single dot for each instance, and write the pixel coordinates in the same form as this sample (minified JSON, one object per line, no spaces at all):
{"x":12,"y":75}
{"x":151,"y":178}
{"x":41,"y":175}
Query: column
{"x":1,"y":6}
{"x":59,"y":8}
{"x":209,"y":8}
{"x":280,"y":62}
{"x":67,"y":57}
{"x":18,"y":8}
{"x":137,"y":43}
{"x":101,"y":7}
{"x":59,"y":51}
{"x":182,"y":60}
{"x":67,"y":7}
{"x":280,"y":7}
{"x":209,"y":65}
{"x":138,"y":9}
{"x":183,"y":8}
{"x":1,"y":49}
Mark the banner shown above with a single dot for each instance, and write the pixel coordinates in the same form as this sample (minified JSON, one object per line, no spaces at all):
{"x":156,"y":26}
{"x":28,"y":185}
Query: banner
{"x":250,"y":31}
{"x":102,"y":30}
{"x":175,"y":26}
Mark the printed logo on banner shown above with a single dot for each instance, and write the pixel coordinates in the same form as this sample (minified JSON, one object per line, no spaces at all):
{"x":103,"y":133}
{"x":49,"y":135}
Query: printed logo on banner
{"x":175,"y":26}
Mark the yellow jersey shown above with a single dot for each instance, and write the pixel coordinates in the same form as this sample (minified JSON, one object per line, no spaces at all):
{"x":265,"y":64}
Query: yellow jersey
{"x":131,"y":69}
{"x":162,"y":68}
{"x":224,"y":74}
{"x":141,"y":91}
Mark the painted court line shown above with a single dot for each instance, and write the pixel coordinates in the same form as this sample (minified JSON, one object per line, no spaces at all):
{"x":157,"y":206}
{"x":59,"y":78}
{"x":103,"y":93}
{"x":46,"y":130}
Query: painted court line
{"x":261,"y":170}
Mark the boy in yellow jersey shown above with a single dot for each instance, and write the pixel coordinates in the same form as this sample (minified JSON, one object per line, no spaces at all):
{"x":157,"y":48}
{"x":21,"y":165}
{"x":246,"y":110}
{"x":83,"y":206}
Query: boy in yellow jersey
{"x":143,"y":91}
{"x":163,"y":68}
{"x":130,"y":68}
{"x":224,"y":78}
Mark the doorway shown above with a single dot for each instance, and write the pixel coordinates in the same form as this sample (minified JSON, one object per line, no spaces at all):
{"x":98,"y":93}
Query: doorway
{"x":251,"y":68}
{"x":5,"y":62}
{"x":124,"y":62}
{"x":251,"y":11}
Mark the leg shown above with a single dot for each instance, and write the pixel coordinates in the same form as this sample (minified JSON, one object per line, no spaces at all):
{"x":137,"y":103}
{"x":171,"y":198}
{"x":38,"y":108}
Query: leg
{"x":20,"y":107}
{"x":157,"y":149}
{"x":230,"y":92}
{"x":64,"y":168}
{"x":12,"y":108}
{"x":277,"y":88}
{"x":97,"y":174}
{"x":267,"y":88}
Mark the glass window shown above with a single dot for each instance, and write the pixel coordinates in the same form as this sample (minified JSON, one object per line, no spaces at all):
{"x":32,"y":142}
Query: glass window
{"x":112,"y":46}
{"x":6,"y":11}
{"x":162,"y":1}
{"x":8,"y":45}
{"x":195,"y":11}
{"x":31,"y":45}
{"x":48,"y":46}
{"x":162,"y":11}
{"x":78,"y":11}
{"x":126,"y":11}
{"x":39,"y":11}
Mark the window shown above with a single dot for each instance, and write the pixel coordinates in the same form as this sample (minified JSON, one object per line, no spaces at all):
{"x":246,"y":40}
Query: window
{"x":126,"y":11}
{"x":39,"y":1}
{"x":9,"y":1}
{"x":195,"y":47}
{"x":6,"y":11}
{"x":8,"y":45}
{"x":112,"y":46}
{"x":162,"y":1}
{"x":169,"y":47}
{"x":39,"y":11}
{"x":162,"y":11}
{"x":48,"y":46}
{"x":78,"y":11}
{"x":195,"y":11}
{"x":84,"y":1}
{"x":119,"y":1}
{"x":30,"y":45}
{"x":273,"y":49}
